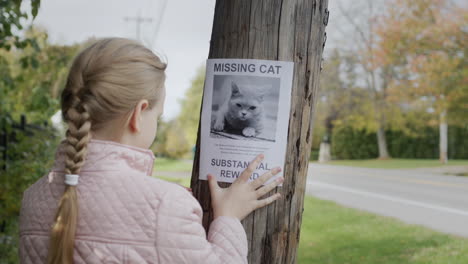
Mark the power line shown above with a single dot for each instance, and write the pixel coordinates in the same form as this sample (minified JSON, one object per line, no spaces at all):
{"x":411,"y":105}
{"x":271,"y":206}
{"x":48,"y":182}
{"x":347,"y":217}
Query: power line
{"x":159,"y":20}
{"x":138,"y":21}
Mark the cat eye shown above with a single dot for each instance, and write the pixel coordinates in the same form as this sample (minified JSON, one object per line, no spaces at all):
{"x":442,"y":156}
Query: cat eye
{"x":239,"y":105}
{"x":253,"y":107}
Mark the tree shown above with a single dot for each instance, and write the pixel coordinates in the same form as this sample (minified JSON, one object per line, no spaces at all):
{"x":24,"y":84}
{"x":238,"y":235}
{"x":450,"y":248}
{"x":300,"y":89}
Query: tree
{"x":178,"y":136}
{"x":345,"y":103}
{"x":11,"y":23}
{"x":176,"y":145}
{"x":36,"y":76}
{"x":427,"y":39}
{"x":190,"y":107}
{"x":12,"y":20}
{"x":340,"y":102}
{"x":158,"y":146}
{"x":375,"y":78}
{"x":288,"y":30}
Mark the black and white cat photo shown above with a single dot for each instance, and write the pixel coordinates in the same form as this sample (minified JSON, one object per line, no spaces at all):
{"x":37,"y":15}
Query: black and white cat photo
{"x":244,"y":107}
{"x":242,"y":111}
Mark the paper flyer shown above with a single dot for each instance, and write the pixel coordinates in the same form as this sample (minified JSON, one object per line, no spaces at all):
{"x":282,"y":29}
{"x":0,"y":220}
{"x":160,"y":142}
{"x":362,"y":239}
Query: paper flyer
{"x":245,"y":112}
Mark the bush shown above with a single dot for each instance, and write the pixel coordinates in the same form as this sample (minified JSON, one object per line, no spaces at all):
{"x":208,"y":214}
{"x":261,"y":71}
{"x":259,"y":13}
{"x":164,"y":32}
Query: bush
{"x":423,"y":146}
{"x":314,"y":154}
{"x":348,"y":143}
{"x":457,"y":142}
{"x":29,"y":157}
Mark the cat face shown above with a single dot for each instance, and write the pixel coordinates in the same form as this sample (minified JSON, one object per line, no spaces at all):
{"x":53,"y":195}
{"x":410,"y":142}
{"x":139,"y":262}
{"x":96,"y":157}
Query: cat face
{"x":245,"y":103}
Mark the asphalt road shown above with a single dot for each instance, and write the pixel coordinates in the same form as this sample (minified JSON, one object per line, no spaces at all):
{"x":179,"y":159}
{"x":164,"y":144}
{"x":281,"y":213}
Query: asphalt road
{"x":415,"y":196}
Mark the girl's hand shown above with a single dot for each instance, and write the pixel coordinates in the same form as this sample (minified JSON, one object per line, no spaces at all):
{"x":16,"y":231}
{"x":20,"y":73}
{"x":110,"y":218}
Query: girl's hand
{"x":242,"y":197}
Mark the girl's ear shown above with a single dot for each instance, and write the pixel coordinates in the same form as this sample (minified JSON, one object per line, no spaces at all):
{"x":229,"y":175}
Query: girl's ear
{"x":136,"y":118}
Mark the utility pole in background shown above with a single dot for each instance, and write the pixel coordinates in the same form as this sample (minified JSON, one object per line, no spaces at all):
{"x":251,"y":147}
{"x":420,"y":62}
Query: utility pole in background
{"x":157,"y":27}
{"x":138,"y":21}
{"x":285,"y":30}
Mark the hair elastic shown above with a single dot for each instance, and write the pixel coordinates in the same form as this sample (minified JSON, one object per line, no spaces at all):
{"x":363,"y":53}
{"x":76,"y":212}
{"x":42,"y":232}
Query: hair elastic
{"x":71,"y":179}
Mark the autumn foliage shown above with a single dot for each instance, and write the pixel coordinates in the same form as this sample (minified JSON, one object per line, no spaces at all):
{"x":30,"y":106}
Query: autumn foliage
{"x":407,"y":73}
{"x":424,"y":42}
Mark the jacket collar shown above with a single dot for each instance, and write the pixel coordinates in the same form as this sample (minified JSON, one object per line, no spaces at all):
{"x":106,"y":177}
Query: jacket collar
{"x":105,"y":155}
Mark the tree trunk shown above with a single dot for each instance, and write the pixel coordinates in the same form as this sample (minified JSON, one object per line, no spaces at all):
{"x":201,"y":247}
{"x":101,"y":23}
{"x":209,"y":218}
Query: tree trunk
{"x":324,"y":152}
{"x":286,"y":30}
{"x":443,"y":139}
{"x":325,"y":147}
{"x":382,"y":143}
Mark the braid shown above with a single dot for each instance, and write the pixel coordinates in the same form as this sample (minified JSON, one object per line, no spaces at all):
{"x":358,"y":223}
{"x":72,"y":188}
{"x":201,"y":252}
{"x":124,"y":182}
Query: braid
{"x":76,"y":113}
{"x":77,"y":138}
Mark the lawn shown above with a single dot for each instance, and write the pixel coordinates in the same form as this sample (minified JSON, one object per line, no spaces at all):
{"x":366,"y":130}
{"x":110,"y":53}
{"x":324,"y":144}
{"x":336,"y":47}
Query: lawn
{"x":182,"y":181}
{"x":332,"y":234}
{"x":397,"y":163}
{"x":165,"y":164}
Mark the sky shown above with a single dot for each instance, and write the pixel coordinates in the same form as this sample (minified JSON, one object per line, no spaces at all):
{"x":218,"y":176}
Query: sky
{"x":179,"y":31}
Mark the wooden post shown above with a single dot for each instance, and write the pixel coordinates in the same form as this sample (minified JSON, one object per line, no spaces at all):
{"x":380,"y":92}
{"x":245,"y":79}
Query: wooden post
{"x":286,"y":30}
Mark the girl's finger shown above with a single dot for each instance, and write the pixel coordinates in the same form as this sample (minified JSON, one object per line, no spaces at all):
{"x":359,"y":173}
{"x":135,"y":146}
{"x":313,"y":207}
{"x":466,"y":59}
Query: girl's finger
{"x":265,"y":189}
{"x":213,"y":184}
{"x":245,"y":175}
{"x":267,"y":201}
{"x":265,"y":177}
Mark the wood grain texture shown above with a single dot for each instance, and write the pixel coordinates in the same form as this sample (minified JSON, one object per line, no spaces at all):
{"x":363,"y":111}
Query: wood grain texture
{"x":286,"y":30}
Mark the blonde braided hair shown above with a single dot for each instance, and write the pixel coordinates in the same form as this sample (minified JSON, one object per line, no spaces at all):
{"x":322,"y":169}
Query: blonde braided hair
{"x":105,"y":82}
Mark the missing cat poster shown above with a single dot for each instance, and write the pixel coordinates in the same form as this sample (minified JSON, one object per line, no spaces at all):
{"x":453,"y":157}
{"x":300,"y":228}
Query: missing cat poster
{"x":245,"y":112}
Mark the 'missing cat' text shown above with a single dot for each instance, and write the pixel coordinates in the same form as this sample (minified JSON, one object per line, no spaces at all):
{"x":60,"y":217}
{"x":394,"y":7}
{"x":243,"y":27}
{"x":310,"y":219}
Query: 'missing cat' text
{"x":246,"y":67}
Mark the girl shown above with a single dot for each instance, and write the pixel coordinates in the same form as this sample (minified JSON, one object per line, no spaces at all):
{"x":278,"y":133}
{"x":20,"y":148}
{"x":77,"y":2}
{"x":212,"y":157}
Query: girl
{"x":98,"y":204}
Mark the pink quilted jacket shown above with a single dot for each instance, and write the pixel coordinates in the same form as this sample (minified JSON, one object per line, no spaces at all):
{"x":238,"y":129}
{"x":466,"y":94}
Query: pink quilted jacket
{"x":126,"y":216}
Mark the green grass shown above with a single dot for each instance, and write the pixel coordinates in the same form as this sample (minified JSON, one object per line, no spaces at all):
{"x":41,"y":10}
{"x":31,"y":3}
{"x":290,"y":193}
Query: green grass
{"x":182,"y":181}
{"x":334,"y":234}
{"x":165,"y":164}
{"x":396,"y":163}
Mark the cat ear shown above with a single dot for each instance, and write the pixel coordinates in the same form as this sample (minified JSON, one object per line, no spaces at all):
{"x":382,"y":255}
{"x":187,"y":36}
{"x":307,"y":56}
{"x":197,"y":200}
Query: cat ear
{"x":260,"y":97}
{"x":235,"y":89}
{"x":262,"y":91}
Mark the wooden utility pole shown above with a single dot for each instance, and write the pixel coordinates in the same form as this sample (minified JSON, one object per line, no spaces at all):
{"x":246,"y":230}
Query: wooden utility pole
{"x":285,"y":30}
